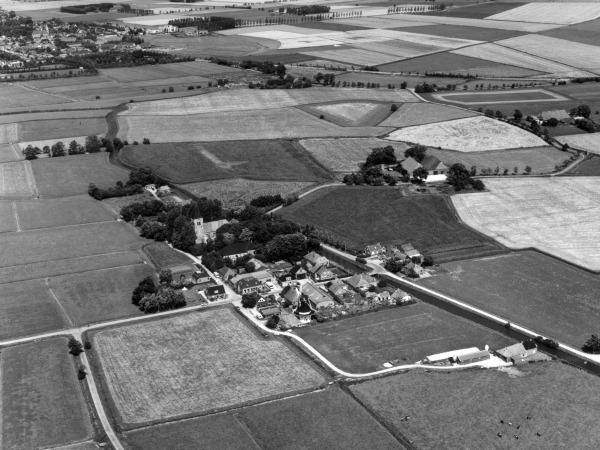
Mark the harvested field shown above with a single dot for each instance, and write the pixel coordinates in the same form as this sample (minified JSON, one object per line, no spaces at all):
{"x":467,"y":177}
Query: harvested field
{"x":344,"y":155}
{"x":428,"y":222}
{"x":192,"y":162}
{"x":43,"y":116}
{"x":34,"y":214}
{"x":551,"y":12}
{"x":163,"y":256}
{"x":28,"y":308}
{"x":380,"y":22}
{"x":558,"y":216}
{"x":17,"y":96}
{"x":566,"y":52}
{"x":42,"y":401}
{"x":509,"y":56}
{"x":405,"y":333}
{"x":99,"y":295}
{"x":285,"y":123}
{"x":355,"y":114}
{"x":355,"y":56}
{"x":501,"y":97}
{"x":80,"y":264}
{"x":459,"y":64}
{"x":541,"y":159}
{"x":236,"y":192}
{"x":9,"y":133}
{"x":16,"y":180}
{"x":474,"y":134}
{"x":7,"y":217}
{"x":10,"y":152}
{"x":196,"y":363}
{"x":410,"y":114}
{"x":590,"y":142}
{"x":330,"y":419}
{"x":61,"y":128}
{"x":164,"y":71}
{"x":256,"y":99}
{"x":518,"y":291}
{"x":66,"y":242}
{"x":75,"y":174}
{"x":481,"y":399}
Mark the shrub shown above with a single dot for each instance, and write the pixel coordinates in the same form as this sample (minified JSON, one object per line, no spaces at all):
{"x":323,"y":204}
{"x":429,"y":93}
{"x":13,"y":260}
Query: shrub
{"x":81,"y":373}
{"x":75,"y":347}
{"x":272,"y":322}
{"x":250,"y":300}
{"x":394,"y":107}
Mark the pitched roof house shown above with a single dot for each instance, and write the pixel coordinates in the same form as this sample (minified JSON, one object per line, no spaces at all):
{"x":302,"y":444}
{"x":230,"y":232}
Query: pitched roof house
{"x":375,"y":249}
{"x":313,"y":261}
{"x":247,"y":285}
{"x":434,"y":166}
{"x":316,"y":297}
{"x":361,"y":281}
{"x":323,"y":274}
{"x":215,"y":293}
{"x":410,"y":164}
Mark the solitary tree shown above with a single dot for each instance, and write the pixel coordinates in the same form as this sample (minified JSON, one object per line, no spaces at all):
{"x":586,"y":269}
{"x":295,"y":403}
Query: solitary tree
{"x":250,"y":300}
{"x":458,"y":176}
{"x":517,"y":115}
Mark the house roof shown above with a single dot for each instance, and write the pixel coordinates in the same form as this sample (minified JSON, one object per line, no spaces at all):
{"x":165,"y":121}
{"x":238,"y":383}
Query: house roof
{"x":360,"y":280}
{"x":512,"y":350}
{"x":291,"y":293}
{"x":432,"y":163}
{"x":406,"y":247}
{"x":215,"y":290}
{"x":181,"y":269}
{"x":529,"y":345}
{"x":315,"y":295}
{"x":324,"y":271}
{"x":226,"y":271}
{"x":248,"y":282}
{"x":410,"y":164}
{"x":281,"y":265}
{"x":236,"y":248}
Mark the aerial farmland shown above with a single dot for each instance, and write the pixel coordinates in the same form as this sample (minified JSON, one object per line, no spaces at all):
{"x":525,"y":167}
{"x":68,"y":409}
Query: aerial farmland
{"x":299,"y":225}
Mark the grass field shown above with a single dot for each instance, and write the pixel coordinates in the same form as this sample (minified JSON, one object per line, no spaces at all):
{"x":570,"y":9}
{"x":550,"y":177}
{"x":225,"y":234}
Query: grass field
{"x":162,"y":71}
{"x":477,"y":11}
{"x":452,"y":409}
{"x":43,"y":116}
{"x":7,"y":217}
{"x":473,"y":134}
{"x":278,"y":160}
{"x":464,"y":32}
{"x":558,"y":216}
{"x":30,"y":271}
{"x":589,"y":142}
{"x":163,"y":256}
{"x":20,"y":97}
{"x":519,"y":291}
{"x":366,"y":215}
{"x":408,"y":333}
{"x":285,"y":123}
{"x":236,"y":192}
{"x":67,"y":242}
{"x":357,"y":57}
{"x":99,"y":295}
{"x":195,"y":363}
{"x":28,"y":308}
{"x":16,"y":180}
{"x":9,"y":133}
{"x":61,"y":128}
{"x":42,"y":401}
{"x":355,"y":114}
{"x":47,"y":213}
{"x":75,"y":174}
{"x":543,"y":12}
{"x":585,"y":33}
{"x":344,"y":155}
{"x":410,"y":114}
{"x":589,"y":167}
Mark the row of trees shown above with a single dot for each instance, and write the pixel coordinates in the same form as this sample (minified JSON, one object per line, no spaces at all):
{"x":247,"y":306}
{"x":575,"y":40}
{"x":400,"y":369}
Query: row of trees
{"x":134,"y":185}
{"x":92,"y":145}
{"x":209,"y":23}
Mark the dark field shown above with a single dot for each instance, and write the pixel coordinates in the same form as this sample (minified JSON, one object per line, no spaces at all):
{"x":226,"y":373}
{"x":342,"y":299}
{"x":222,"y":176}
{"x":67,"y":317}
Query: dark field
{"x":463,"y":32}
{"x":71,"y":175}
{"x":366,"y":215}
{"x":407,"y":333}
{"x":61,"y":128}
{"x":451,"y":410}
{"x":589,"y":167}
{"x":585,"y":33}
{"x":477,"y":11}
{"x":163,"y":256}
{"x":42,"y":401}
{"x":194,"y":162}
{"x":529,"y":288}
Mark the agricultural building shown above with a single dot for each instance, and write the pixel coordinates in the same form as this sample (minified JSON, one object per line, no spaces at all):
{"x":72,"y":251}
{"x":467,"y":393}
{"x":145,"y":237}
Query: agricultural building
{"x":316,"y":297}
{"x":361,"y":282}
{"x":182,"y":274}
{"x":410,"y":165}
{"x":559,"y":114}
{"x":435,"y":168}
{"x":269,"y":310}
{"x":479,"y":355}
{"x":518,"y":353}
{"x":448,"y":356}
{"x":207,"y":231}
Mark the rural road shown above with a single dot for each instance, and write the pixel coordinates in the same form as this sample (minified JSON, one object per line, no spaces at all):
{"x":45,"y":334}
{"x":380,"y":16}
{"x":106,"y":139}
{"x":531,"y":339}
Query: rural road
{"x":310,"y":191}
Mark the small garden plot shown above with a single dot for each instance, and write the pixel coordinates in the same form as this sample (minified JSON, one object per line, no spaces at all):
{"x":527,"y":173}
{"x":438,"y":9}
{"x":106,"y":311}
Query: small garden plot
{"x":505,"y":55}
{"x":286,"y":123}
{"x":410,"y":114}
{"x":555,"y":12}
{"x":574,"y":54}
{"x":16,"y":97}
{"x":7,"y":217}
{"x":236,"y":192}
{"x":589,"y":142}
{"x":353,"y":114}
{"x":407,"y":334}
{"x":99,"y":295}
{"x":345,"y":155}
{"x":502,"y":97}
{"x":514,"y":286}
{"x":163,"y":256}
{"x":42,"y":402}
{"x":9,"y":133}
{"x":28,"y":308}
{"x":487,"y":408}
{"x":195,"y":363}
{"x":16,"y":180}
{"x":559,"y":216}
{"x":474,"y":134}
{"x":71,"y":175}
{"x":60,"y":128}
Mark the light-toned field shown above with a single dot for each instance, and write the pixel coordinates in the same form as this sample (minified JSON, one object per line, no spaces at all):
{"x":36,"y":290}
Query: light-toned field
{"x":551,"y":12}
{"x":473,"y":134}
{"x":195,"y":363}
{"x":7,"y":217}
{"x":238,"y":191}
{"x":162,"y":71}
{"x":16,"y":96}
{"x":154,"y":19}
{"x":256,"y":99}
{"x":235,"y":125}
{"x":354,"y":56}
{"x":9,"y":133}
{"x":566,"y":52}
{"x":505,"y":55}
{"x":32,"y":117}
{"x":60,"y":128}
{"x":16,"y":180}
{"x":589,"y":142}
{"x":42,"y":401}
{"x":10,"y":152}
{"x":410,"y":114}
{"x":351,"y":114}
{"x":559,"y":216}
{"x":345,"y":155}
{"x":547,"y":405}
{"x":501,"y":97}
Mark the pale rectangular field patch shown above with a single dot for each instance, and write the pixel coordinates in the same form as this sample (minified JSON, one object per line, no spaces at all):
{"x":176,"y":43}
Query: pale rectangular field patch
{"x":16,"y":180}
{"x":555,"y":12}
{"x":9,"y":133}
{"x":355,"y":56}
{"x":560,"y":216}
{"x":411,"y":114}
{"x":505,"y":55}
{"x":500,"y":97}
{"x":589,"y":142}
{"x":473,"y":134}
{"x":289,"y":40}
